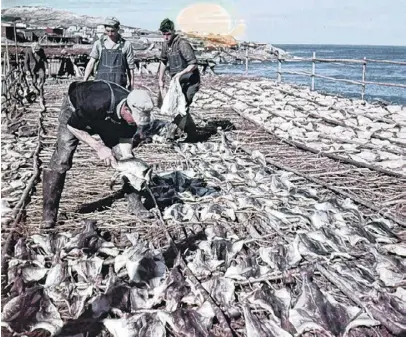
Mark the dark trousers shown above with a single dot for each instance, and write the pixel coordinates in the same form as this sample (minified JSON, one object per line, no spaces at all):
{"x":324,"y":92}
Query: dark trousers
{"x":66,"y":144}
{"x":189,"y":90}
{"x":190,"y":85}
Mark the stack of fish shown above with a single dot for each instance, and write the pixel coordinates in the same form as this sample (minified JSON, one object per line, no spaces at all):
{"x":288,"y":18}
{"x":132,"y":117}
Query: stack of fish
{"x":363,"y":132}
{"x":260,"y":240}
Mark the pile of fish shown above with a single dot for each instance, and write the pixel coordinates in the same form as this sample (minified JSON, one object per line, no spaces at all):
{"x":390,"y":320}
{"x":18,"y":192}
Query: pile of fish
{"x":351,"y":129}
{"x":258,"y":240}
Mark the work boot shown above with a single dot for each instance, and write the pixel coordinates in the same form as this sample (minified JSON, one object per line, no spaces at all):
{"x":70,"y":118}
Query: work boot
{"x":187,"y":125}
{"x":136,"y":207}
{"x":190,"y":130}
{"x":52,"y":183}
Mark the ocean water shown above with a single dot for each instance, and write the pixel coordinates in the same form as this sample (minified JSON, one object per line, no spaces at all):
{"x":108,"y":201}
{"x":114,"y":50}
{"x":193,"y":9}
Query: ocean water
{"x":376,"y":72}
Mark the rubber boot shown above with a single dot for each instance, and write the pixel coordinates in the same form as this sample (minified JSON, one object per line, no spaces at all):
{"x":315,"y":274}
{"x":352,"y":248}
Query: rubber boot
{"x":189,"y":127}
{"x":52,"y":183}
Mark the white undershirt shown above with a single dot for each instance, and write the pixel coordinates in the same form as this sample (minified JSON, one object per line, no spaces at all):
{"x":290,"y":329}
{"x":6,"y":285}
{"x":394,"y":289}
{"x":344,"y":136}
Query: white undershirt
{"x":119,"y":107}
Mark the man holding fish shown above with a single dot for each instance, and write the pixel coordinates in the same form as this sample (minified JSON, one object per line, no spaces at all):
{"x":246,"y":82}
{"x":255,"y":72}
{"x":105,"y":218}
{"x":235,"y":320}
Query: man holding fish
{"x":116,"y":115}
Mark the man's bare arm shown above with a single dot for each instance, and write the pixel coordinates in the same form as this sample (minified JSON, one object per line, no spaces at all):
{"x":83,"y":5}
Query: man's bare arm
{"x":102,"y":150}
{"x":188,"y":69}
{"x":161,"y":78}
{"x":131,"y":74}
{"x":89,"y":68}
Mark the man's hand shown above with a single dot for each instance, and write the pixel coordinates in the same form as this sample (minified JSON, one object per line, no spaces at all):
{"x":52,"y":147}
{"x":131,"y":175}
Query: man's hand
{"x":177,"y":76}
{"x":162,"y":88}
{"x":106,"y":155}
{"x":163,"y":92}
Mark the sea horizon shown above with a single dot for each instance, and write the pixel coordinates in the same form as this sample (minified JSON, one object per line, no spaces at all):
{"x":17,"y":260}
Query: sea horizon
{"x":337,"y":44}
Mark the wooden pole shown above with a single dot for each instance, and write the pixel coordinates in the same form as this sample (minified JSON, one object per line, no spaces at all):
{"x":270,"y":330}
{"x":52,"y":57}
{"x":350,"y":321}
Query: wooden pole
{"x":15,"y":44}
{"x":313,"y":69}
{"x":8,"y":58}
{"x":364,"y":66}
{"x":246,"y":61}
{"x":279,"y":70}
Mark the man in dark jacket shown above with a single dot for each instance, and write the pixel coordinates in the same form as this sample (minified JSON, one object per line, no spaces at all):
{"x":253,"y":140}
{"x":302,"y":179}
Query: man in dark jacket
{"x":35,"y":63}
{"x":180,"y":59}
{"x":95,"y":107}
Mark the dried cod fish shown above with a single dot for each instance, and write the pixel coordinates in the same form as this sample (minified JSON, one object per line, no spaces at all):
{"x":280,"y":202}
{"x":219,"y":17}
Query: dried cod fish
{"x":244,"y":268}
{"x":135,"y":170}
{"x":391,"y":270}
{"x":202,"y":267}
{"x":356,"y":276}
{"x":282,"y":257}
{"x":32,"y":309}
{"x":32,"y":271}
{"x":392,"y":307}
{"x":207,"y":314}
{"x":277,"y":303}
{"x":315,"y":310}
{"x":140,"y":325}
{"x":142,"y":264}
{"x":20,"y":250}
{"x":381,"y":232}
{"x":84,"y":239}
{"x":221,"y":289}
{"x":397,"y":249}
{"x":175,"y":289}
{"x":186,"y":323}
{"x":89,"y":270}
{"x":78,"y":299}
{"x":262,"y":328}
{"x":211,"y":212}
{"x":57,"y":274}
{"x":180,"y":212}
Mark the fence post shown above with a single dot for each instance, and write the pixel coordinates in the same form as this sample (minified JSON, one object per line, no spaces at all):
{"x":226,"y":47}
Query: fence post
{"x":246,"y":61}
{"x":279,"y":70}
{"x":15,"y":45}
{"x":313,"y":69}
{"x":364,"y":66}
{"x":7,"y":65}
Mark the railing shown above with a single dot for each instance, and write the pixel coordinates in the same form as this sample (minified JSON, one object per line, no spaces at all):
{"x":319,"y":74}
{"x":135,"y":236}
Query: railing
{"x":363,"y":82}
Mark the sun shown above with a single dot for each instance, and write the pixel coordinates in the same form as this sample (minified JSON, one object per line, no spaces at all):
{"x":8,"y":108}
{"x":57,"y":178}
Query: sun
{"x":208,"y":18}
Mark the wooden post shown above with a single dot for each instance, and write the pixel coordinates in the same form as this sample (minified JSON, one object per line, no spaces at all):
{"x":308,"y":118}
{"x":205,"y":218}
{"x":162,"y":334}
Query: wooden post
{"x":246,"y":61}
{"x":140,"y":71}
{"x":279,"y":70}
{"x":364,"y":66}
{"x":15,"y":45}
{"x":7,"y":65}
{"x":313,"y":69}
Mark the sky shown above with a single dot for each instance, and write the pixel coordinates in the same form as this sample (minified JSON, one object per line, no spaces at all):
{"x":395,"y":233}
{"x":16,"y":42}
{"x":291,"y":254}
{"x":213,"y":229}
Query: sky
{"x":365,"y":22}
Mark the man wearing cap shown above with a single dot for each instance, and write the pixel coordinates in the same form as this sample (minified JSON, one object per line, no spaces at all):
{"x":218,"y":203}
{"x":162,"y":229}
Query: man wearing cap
{"x":35,"y":63}
{"x":179,"y":57}
{"x":113,"y":57}
{"x":102,"y":108}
